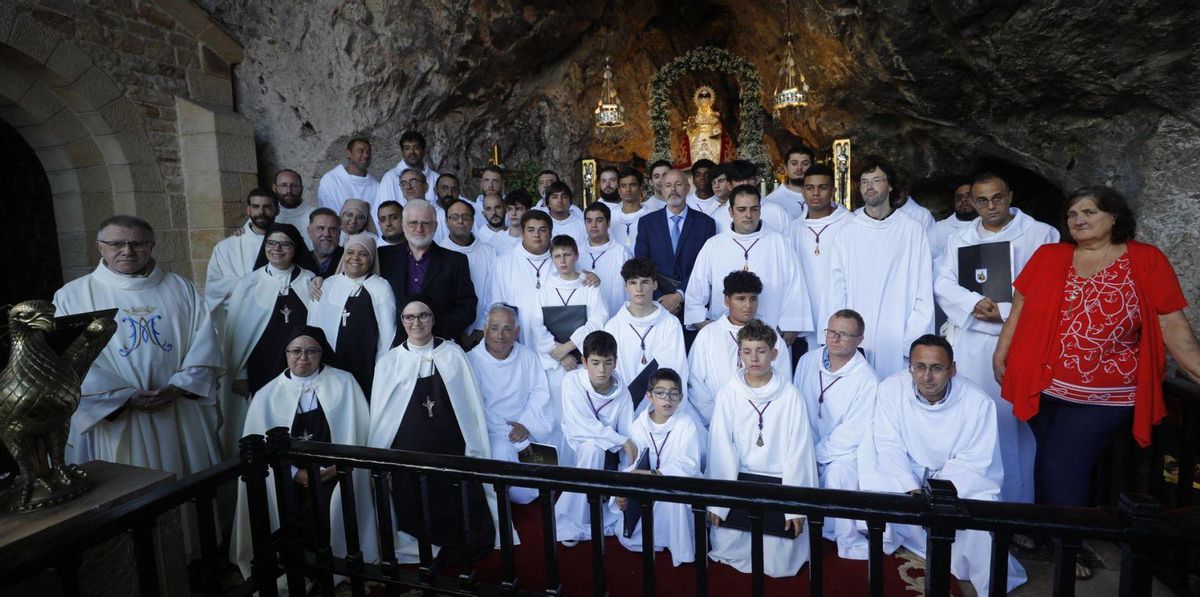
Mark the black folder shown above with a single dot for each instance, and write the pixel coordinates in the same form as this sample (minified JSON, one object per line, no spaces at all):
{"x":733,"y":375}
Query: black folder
{"x":563,"y":321}
{"x":637,"y":387}
{"x":539,"y":454}
{"x":633,"y":506}
{"x":773,"y":521}
{"x":987,"y":269}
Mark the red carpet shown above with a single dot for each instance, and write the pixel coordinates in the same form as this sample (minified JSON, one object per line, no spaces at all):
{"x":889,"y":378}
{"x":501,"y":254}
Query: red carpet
{"x":624,"y":569}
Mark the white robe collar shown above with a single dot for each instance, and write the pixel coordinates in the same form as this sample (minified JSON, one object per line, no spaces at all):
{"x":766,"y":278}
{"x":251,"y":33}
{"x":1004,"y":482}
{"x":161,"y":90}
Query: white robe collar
{"x":856,"y":362}
{"x":1020,"y":224}
{"x":838,"y":214}
{"x":652,"y":319}
{"x":108,"y":277}
{"x":766,"y":393}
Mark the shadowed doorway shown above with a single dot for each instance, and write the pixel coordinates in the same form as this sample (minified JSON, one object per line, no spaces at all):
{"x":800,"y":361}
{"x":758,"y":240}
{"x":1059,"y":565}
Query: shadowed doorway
{"x":30,"y":266}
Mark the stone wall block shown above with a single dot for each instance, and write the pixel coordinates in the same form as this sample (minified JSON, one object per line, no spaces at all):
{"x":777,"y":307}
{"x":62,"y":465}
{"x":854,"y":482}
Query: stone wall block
{"x":64,"y":181}
{"x":154,"y":208}
{"x":94,"y":88}
{"x":38,"y":135}
{"x":54,"y":158}
{"x":121,"y":177}
{"x":209,"y":88}
{"x":97,"y":205}
{"x":8,"y":16}
{"x":40,"y":102}
{"x":136,"y":145}
{"x":199,"y":153}
{"x":110,"y":148}
{"x":205,"y":214}
{"x":236,"y":153}
{"x":171,"y":246}
{"x":68,"y":63}
{"x":146,"y":177}
{"x":14,"y":83}
{"x":33,"y":38}
{"x":77,"y":261}
{"x":65,"y":127}
{"x":67,"y":215}
{"x":93,"y":178}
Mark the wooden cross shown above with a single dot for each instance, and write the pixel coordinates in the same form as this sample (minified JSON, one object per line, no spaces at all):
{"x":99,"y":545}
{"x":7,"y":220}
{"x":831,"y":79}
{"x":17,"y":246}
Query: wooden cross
{"x":429,"y":404}
{"x":286,"y":312}
{"x":345,"y":316}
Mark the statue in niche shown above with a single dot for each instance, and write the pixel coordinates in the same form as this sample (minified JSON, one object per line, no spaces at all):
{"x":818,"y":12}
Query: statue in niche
{"x":704,"y":137}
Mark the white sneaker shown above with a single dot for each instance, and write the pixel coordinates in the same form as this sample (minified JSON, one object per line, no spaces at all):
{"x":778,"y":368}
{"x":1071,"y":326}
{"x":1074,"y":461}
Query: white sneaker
{"x":570,"y":542}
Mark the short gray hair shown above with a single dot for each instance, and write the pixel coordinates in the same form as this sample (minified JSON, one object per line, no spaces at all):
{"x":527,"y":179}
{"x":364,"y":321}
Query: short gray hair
{"x":419,"y":203}
{"x":125,"y":221}
{"x":419,"y":172}
{"x":502,"y":308}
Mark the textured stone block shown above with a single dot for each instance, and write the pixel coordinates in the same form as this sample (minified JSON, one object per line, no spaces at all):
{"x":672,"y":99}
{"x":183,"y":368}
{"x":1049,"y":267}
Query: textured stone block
{"x":236,"y":153}
{"x":209,"y":88}
{"x":54,"y":158}
{"x":119,"y":115}
{"x":83,"y":152}
{"x":38,"y":135}
{"x":14,"y":82}
{"x":68,"y":62}
{"x":68,"y":213}
{"x":92,"y":90}
{"x":40,"y":102}
{"x":33,"y":38}
{"x":64,"y":181}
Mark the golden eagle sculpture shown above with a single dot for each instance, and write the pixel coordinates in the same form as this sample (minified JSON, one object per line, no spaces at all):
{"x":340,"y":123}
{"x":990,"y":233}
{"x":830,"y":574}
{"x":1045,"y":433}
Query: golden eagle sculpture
{"x":39,"y":391}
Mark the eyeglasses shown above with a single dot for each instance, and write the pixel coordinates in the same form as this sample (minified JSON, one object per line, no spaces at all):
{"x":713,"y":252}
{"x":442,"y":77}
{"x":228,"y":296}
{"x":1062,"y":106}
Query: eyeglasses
{"x":412,"y":182}
{"x":669,"y":395}
{"x":840,"y":336}
{"x":985,"y":201}
{"x":421,"y":317}
{"x":280,"y":244}
{"x":922,"y":368}
{"x":460,"y":217}
{"x":296,"y":353}
{"x":133,"y":245}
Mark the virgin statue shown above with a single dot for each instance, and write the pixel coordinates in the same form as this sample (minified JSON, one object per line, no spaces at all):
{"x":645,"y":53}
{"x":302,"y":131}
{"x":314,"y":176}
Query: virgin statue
{"x":703,"y":135}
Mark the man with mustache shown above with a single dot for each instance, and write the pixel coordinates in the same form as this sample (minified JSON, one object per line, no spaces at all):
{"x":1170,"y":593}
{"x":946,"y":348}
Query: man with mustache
{"x":234,"y":256}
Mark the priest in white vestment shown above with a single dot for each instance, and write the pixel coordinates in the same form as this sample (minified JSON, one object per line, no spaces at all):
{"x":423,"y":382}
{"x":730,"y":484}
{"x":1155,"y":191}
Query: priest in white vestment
{"x":149,"y":398}
{"x":310,"y":399}
{"x":350,"y":180}
{"x":838,"y":387}
{"x":811,"y":237}
{"x":902,"y":451}
{"x":604,"y":256}
{"x":882,"y":268}
{"x":425,"y":398}
{"x":974,"y":321}
{"x":234,"y":256}
{"x":713,"y":359}
{"x":749,"y":246}
{"x":289,"y":188}
{"x":760,"y":428}
{"x":791,"y":194}
{"x":481,"y":260}
{"x":515,"y":394}
{"x":412,"y":146}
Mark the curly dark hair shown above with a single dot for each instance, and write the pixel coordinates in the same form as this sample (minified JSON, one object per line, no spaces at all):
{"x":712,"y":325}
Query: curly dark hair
{"x":1109,"y":201}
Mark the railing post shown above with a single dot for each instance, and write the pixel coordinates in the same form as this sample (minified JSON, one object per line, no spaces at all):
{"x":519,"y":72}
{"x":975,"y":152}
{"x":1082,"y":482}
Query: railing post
{"x":206,"y":525}
{"x":253,"y":450}
{"x":1138,"y":557}
{"x":816,"y":567}
{"x":700,"y":523}
{"x":144,"y":556}
{"x":279,"y":442}
{"x":943,"y":501}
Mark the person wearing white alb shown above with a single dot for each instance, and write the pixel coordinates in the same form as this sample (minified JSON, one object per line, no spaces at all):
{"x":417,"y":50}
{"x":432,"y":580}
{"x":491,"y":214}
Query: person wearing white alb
{"x":813,"y":234}
{"x":349,"y":180}
{"x":412,"y":146}
{"x":790,"y":194}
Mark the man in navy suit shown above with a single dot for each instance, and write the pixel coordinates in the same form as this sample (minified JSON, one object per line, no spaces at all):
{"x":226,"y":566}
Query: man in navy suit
{"x":672,"y":237}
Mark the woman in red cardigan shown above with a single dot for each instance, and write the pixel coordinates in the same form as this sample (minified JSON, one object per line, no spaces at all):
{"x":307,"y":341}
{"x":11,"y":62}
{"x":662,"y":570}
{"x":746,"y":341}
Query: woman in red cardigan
{"x":1082,"y":351}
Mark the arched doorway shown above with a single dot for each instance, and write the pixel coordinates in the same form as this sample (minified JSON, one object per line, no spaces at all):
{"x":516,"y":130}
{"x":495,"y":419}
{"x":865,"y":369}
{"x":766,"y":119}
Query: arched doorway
{"x":31,"y":267}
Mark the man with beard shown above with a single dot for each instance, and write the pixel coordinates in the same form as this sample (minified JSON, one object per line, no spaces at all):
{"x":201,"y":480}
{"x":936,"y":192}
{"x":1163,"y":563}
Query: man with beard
{"x":609,"y":176}
{"x":492,"y":217}
{"x":420,"y":267}
{"x":790,"y":194}
{"x":672,"y":239}
{"x":323,"y":232}
{"x":412,"y":146}
{"x":491,"y":180}
{"x":516,"y":204}
{"x":448,"y":190}
{"x":234,"y":256}
{"x":480,"y":256}
{"x":964,"y":213}
{"x":391,"y":223}
{"x":349,"y":180}
{"x":701,"y":198}
{"x":290,"y":190}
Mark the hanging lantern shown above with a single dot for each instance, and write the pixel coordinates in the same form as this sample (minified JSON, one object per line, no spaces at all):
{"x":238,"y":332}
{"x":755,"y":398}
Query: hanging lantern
{"x":609,"y":111}
{"x":791,"y":91}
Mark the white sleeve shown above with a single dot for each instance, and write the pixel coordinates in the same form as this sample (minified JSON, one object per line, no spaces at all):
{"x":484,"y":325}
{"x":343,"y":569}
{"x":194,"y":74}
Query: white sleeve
{"x":957,"y":302}
{"x":580,"y":424}
{"x":384,"y":303}
{"x":695,"y":300}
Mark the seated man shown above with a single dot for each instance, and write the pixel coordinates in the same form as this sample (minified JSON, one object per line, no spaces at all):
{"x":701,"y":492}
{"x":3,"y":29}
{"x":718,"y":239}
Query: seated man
{"x":931,"y":425}
{"x":838,"y":386}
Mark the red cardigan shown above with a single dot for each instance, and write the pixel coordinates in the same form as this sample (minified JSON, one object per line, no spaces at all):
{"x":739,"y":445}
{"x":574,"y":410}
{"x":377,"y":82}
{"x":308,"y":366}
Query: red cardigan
{"x":1031,"y":354}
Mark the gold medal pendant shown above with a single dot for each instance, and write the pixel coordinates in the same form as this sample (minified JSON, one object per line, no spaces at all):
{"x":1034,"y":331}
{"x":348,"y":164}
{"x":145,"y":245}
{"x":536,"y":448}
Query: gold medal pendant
{"x":759,"y":443}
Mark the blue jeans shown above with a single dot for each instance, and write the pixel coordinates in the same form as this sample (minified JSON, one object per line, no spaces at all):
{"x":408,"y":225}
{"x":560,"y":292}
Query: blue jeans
{"x":1070,"y":438}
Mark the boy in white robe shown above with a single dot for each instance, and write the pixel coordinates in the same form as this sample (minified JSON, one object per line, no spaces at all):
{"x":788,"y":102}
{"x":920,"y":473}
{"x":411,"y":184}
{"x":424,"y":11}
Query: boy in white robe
{"x":350,"y":180}
{"x":516,"y":397}
{"x":974,"y":321}
{"x":674,"y":444}
{"x":521,"y":273}
{"x":812,"y":235}
{"x":760,"y":426}
{"x":234,"y":256}
{"x":930,"y":425}
{"x":838,"y":387}
{"x":648,"y":336}
{"x":603,"y":255}
{"x":713,"y":360}
{"x":566,"y":221}
{"x":791,"y":195}
{"x":881,"y":267}
{"x":624,"y":221}
{"x":597,"y":415}
{"x":749,"y":246}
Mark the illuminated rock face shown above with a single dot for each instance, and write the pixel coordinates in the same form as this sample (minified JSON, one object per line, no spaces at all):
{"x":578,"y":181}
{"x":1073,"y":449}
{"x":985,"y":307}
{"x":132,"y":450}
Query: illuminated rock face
{"x":1106,"y":94}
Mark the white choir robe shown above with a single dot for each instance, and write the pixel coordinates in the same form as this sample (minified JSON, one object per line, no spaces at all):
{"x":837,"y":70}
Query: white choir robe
{"x":481,"y":261}
{"x":840,"y":407}
{"x":504,"y":243}
{"x":811,"y":239}
{"x":942,"y":231}
{"x":654,"y":203}
{"x":624,"y":227}
{"x":593,"y":424}
{"x":913,"y":210}
{"x":706,"y":206}
{"x":791,"y":201}
{"x":245,"y":313}
{"x":517,"y":281}
{"x":486,"y":234}
{"x":605,"y":261}
{"x":675,"y":448}
{"x":713,"y":361}
{"x":232,"y":258}
{"x":389,"y":185}
{"x":541,"y":206}
{"x":902,"y":450}
{"x":783,"y":303}
{"x":974,"y":341}
{"x":573,"y":227}
{"x":327,"y":312}
{"x":664,"y":343}
{"x":514,"y":389}
{"x":337,"y":185}
{"x":345,"y":410}
{"x":774,"y":218}
{"x":787,"y":453}
{"x":396,"y":375}
{"x":298,"y":217}
{"x":884,"y":271}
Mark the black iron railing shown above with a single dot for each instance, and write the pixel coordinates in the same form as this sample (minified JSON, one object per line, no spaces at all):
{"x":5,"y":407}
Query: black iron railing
{"x":1139,"y":525}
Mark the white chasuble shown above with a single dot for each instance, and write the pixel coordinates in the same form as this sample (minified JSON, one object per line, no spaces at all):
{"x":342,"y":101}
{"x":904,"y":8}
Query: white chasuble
{"x":624,"y":226}
{"x":481,"y":261}
{"x":791,"y":201}
{"x":337,"y":185}
{"x":974,"y":341}
{"x":884,"y":271}
{"x":165,"y":337}
{"x":605,"y":261}
{"x":812,"y":240}
{"x":345,"y":410}
{"x":912,"y":209}
{"x":761,"y":431}
{"x":783,"y":303}
{"x":674,"y":448}
{"x":902,"y":451}
{"x":231,"y":259}
{"x":713,"y":361}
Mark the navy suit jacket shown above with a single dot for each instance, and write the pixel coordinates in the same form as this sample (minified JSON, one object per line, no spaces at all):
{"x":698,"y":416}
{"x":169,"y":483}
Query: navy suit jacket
{"x":654,"y":241}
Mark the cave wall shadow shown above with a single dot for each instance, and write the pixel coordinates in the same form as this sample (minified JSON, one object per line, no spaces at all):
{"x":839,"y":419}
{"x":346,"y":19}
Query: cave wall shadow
{"x":1032,"y":193}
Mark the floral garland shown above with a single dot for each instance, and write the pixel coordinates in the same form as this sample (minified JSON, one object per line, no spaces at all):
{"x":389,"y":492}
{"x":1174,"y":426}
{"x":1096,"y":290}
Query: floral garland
{"x":750,"y":113}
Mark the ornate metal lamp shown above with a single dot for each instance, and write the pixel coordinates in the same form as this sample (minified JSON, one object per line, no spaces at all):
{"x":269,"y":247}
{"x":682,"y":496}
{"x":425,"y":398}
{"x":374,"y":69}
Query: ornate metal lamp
{"x":791,"y":90}
{"x":609,"y":111}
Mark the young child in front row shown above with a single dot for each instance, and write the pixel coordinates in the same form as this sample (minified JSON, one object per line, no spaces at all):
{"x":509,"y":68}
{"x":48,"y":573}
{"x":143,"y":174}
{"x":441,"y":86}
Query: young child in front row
{"x":597,"y":416}
{"x":674,"y":443}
